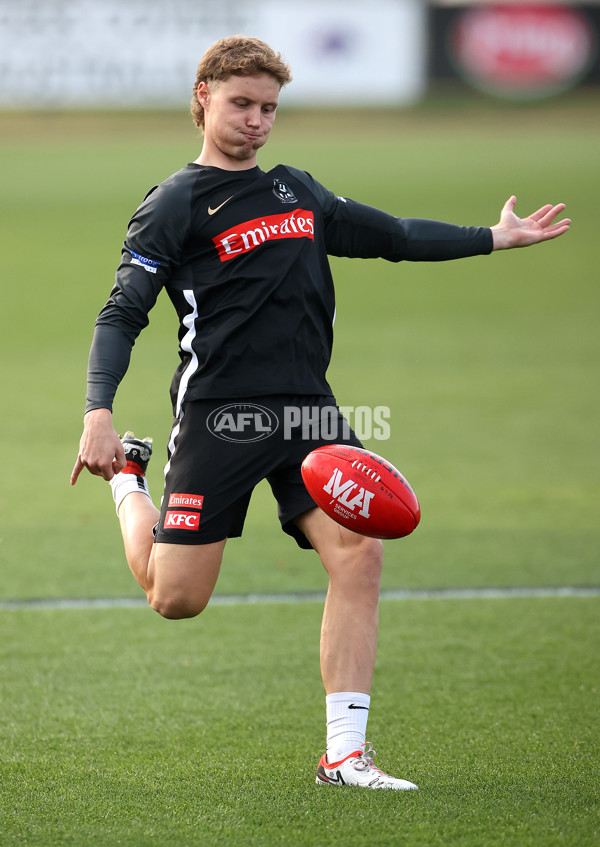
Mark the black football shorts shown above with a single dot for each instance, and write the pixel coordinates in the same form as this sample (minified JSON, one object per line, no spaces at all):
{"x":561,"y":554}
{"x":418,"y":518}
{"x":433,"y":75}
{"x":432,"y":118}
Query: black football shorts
{"x":220,"y":450}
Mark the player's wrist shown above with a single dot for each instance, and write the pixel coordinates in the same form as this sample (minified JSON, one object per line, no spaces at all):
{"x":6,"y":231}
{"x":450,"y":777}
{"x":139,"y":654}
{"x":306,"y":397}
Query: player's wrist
{"x":98,"y":413}
{"x":100,"y":417}
{"x":500,"y":238}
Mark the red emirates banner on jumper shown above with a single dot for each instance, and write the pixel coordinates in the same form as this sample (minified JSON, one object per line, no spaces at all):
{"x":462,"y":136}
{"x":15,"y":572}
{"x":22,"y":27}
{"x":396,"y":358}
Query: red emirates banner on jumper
{"x":247,"y":236}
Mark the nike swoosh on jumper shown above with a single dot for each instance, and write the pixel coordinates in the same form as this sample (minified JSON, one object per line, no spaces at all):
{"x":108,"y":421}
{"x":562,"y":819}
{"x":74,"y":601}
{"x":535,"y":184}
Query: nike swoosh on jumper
{"x":352,"y":706}
{"x":212,"y":211}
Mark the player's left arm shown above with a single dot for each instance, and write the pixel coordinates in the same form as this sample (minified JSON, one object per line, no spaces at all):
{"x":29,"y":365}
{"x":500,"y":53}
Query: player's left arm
{"x":358,"y":231}
{"x":512,"y":231}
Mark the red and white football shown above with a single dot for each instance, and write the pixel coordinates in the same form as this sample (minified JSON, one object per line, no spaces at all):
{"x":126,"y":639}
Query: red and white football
{"x":361,"y":491}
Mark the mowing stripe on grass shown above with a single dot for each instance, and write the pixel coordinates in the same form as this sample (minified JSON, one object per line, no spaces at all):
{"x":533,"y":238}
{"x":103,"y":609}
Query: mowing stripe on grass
{"x":311,"y":597}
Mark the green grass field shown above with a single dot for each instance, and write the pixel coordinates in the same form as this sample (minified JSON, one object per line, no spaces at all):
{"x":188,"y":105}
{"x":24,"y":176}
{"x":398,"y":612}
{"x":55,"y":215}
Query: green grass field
{"x":118,"y":727}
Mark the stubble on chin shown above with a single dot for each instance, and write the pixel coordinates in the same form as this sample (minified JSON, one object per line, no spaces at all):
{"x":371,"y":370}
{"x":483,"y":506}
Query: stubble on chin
{"x":248,"y":151}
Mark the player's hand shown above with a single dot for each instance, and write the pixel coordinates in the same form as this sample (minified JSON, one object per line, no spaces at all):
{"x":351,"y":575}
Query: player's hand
{"x":100,"y":448}
{"x":512,"y":231}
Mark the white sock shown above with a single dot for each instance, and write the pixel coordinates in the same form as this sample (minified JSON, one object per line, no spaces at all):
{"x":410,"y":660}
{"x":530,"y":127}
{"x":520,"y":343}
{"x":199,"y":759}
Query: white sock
{"x":347,"y":715}
{"x":123,"y":484}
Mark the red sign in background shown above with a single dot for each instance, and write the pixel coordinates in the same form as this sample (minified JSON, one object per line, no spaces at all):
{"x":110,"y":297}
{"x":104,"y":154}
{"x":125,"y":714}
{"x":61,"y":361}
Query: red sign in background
{"x":520,"y":50}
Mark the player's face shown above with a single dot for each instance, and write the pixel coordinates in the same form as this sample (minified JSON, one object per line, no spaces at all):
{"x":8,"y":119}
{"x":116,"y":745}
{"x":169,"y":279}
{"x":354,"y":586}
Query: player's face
{"x":238,"y":116}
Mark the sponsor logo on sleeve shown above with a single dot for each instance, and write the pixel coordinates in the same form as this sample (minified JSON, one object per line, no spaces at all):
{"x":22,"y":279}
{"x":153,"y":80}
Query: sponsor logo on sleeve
{"x":147,"y":264}
{"x":247,"y":236}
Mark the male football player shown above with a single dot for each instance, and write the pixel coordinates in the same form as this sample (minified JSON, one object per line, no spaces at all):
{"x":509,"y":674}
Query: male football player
{"x":243,"y":256}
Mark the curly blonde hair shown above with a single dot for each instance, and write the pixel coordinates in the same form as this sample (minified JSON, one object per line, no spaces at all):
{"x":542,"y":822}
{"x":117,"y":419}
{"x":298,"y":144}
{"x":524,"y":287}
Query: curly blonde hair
{"x":238,"y":55}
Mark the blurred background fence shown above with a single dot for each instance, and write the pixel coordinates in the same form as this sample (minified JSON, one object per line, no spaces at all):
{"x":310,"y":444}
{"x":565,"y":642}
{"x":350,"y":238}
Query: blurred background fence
{"x":57,"y":54}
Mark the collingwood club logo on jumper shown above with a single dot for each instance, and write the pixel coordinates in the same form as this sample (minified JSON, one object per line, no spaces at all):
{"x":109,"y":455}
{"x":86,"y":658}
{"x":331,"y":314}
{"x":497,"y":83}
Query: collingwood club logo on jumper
{"x":283,"y":192}
{"x":247,"y":236}
{"x":243,"y":422}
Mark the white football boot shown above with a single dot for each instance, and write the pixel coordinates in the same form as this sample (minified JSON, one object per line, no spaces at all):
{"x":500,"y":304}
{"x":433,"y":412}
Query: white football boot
{"x":358,"y":769}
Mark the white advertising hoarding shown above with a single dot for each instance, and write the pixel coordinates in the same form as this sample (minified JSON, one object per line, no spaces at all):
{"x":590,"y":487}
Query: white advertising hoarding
{"x":136,"y":53}
{"x":350,"y":53}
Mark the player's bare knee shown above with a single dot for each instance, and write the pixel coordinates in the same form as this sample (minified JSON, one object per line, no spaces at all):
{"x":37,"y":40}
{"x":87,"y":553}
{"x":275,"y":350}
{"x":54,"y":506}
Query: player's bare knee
{"x":359,"y":564}
{"x":370,"y":562}
{"x":366,"y":551}
{"x":374,"y":548}
{"x":176,"y":606}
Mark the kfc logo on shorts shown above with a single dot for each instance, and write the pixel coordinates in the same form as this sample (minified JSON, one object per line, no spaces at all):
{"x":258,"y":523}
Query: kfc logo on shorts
{"x":182,"y":520}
